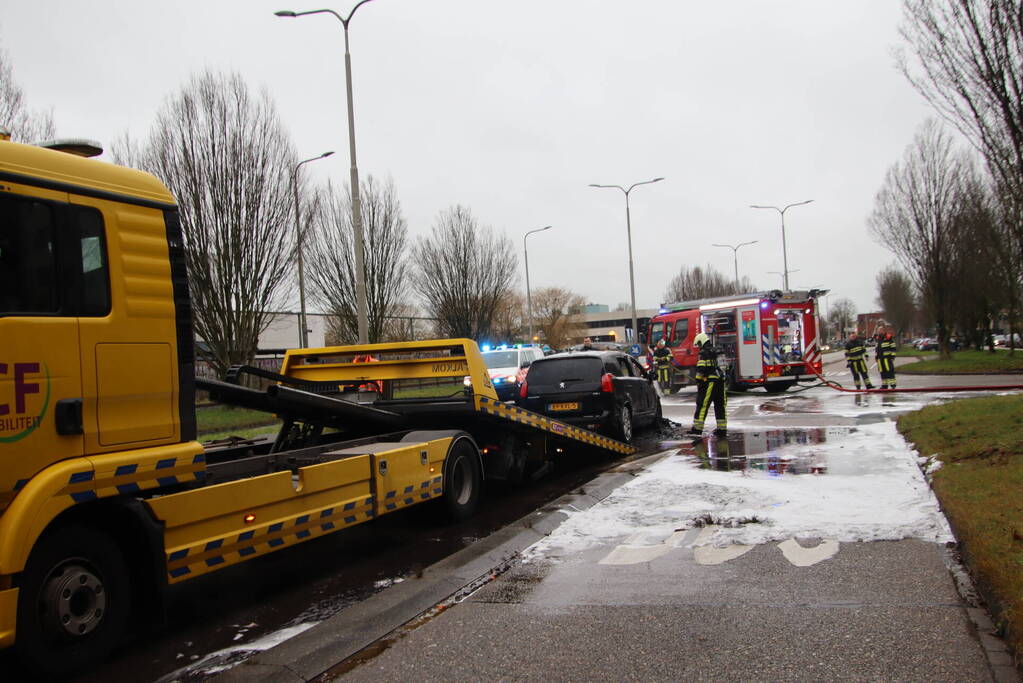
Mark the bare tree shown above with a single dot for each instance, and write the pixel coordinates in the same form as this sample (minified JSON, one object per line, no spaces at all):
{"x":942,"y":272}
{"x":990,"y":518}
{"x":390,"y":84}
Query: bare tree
{"x":227,"y":158}
{"x":510,"y":318}
{"x":842,"y":315}
{"x":967,"y":61}
{"x":915,"y":216}
{"x":330,"y":257}
{"x":556,"y":311}
{"x":896,"y":297}
{"x":979,"y":292}
{"x":969,"y":65}
{"x":700,"y":283}
{"x":463,"y":272}
{"x":25,"y":125}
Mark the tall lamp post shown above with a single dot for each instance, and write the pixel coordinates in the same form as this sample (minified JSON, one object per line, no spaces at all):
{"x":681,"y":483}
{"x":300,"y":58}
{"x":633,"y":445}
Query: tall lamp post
{"x":628,"y":228}
{"x":784,"y":253}
{"x":784,"y":276}
{"x":303,"y":330}
{"x":360,"y":265}
{"x":529,"y":298}
{"x":735,"y":255}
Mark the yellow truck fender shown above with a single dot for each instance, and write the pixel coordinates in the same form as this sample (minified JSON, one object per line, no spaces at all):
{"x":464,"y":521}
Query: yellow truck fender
{"x":82,"y":480}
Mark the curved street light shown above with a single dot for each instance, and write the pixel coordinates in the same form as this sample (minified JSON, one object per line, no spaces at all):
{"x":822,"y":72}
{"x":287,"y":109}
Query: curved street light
{"x":360,"y":265}
{"x":735,"y":255}
{"x":628,"y":228}
{"x":784,"y":253}
{"x":303,"y":330}
{"x":529,"y":299}
{"x":784,"y":277}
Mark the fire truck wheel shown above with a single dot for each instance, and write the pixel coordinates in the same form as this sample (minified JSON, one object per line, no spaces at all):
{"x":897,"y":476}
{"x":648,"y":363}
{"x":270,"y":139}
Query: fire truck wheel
{"x":73,"y":602}
{"x":463,"y":480}
{"x":622,"y":428}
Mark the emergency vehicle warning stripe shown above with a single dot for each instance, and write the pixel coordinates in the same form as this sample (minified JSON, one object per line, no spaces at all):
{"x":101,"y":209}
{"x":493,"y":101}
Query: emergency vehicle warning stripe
{"x":519,"y":415}
{"x":201,"y":557}
{"x":83,"y":486}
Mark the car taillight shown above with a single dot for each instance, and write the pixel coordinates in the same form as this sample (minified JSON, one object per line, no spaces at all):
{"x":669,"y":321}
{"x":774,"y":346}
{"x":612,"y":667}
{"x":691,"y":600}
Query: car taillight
{"x":523,"y":389}
{"x":607,"y":383}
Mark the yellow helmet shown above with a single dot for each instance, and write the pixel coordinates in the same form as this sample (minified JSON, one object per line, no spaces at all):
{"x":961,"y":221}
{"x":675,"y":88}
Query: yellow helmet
{"x":701,"y":339}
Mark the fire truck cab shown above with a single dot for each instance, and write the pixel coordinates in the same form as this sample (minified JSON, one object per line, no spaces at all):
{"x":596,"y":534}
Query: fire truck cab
{"x":769,"y":338}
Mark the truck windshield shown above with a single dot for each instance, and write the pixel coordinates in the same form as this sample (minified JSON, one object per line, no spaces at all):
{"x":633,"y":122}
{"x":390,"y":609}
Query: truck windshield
{"x":501,"y":359}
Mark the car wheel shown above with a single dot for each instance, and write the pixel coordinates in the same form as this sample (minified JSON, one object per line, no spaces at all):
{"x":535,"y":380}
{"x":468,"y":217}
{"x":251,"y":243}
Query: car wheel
{"x":623,"y":424}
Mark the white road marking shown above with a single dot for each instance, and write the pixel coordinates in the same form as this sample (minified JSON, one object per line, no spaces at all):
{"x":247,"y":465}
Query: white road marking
{"x":807,"y":557}
{"x":637,"y":554}
{"x":711,"y":555}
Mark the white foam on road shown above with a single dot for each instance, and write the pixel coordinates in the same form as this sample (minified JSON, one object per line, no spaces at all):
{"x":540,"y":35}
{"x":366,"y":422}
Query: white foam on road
{"x":873,"y":490}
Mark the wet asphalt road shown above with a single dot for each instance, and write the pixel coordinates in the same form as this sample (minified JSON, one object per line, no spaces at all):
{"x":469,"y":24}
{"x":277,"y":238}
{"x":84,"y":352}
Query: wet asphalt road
{"x":314,"y":581}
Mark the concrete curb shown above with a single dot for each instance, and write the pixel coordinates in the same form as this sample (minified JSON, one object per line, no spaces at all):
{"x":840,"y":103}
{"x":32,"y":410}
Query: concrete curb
{"x":315,"y":651}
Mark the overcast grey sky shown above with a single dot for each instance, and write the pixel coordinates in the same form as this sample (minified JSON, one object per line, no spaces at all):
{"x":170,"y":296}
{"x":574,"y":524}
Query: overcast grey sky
{"x":513,"y":108}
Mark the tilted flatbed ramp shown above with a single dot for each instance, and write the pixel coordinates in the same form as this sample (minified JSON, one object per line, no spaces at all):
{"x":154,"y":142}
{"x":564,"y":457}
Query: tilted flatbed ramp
{"x":430,"y":384}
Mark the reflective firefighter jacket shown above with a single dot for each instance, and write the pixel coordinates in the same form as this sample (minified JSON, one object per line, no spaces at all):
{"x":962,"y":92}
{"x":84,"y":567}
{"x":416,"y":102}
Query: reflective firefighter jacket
{"x":707,"y":366}
{"x":855,"y":350}
{"x":662,"y":356}
{"x":886,"y":348}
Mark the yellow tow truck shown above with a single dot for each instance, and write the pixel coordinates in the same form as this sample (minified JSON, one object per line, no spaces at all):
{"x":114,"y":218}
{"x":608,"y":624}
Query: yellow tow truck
{"x":106,"y":497}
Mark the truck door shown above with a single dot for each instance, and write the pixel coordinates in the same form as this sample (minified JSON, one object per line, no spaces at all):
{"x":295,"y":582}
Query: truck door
{"x":40,"y":368}
{"x":749,"y":351}
{"x":127,"y":330}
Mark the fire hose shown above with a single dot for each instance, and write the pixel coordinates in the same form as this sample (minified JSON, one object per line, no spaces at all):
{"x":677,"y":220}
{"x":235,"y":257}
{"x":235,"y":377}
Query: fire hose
{"x":909,"y":390}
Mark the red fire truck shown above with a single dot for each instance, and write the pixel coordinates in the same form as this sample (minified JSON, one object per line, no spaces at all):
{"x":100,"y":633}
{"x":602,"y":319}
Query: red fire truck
{"x":769,"y":338}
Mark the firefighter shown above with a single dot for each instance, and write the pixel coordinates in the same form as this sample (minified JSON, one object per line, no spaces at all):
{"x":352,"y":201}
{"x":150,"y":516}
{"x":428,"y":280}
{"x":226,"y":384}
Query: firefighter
{"x":662,"y":361}
{"x":710,"y":387}
{"x":856,"y":359}
{"x":886,"y":349}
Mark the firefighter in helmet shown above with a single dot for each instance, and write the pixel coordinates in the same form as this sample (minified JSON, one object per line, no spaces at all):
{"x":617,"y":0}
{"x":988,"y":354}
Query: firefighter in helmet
{"x":886,"y":348}
{"x":710,"y":387}
{"x":856,"y":360}
{"x":662,"y":361}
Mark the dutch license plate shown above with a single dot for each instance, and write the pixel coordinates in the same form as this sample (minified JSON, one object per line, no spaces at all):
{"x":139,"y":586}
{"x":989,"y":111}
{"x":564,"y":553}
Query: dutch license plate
{"x":774,"y":373}
{"x":563,"y":406}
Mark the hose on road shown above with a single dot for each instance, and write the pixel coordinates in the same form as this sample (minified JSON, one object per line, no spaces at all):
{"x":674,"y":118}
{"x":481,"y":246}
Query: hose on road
{"x":909,"y":390}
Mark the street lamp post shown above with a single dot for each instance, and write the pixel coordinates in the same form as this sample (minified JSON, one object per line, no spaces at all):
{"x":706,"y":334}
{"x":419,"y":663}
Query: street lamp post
{"x":628,"y":229}
{"x":784,"y":277}
{"x":303,"y":331}
{"x":784,"y":253}
{"x":529,"y":298}
{"x":360,"y":265}
{"x":735,"y":255}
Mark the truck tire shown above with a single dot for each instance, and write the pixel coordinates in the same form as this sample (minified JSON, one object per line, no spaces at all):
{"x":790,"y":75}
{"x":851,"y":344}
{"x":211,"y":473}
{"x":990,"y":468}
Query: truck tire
{"x":463,"y":480}
{"x":73,"y":603}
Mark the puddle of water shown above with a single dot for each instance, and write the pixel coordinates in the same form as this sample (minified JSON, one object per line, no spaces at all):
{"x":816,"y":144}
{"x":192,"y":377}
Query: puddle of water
{"x":774,"y":452}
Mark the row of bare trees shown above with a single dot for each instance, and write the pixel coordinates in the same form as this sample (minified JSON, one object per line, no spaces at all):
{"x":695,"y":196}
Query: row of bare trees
{"x":696,"y":282}
{"x":23,"y":123}
{"x":956,"y":226}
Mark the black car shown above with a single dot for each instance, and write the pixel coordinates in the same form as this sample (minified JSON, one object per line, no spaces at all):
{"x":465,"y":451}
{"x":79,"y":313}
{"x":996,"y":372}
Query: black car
{"x":605,"y":390}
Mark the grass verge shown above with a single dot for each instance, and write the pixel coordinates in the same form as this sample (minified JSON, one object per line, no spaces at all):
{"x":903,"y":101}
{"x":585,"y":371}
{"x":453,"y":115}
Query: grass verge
{"x":965,"y":362}
{"x":980,"y":487}
{"x":220,"y":421}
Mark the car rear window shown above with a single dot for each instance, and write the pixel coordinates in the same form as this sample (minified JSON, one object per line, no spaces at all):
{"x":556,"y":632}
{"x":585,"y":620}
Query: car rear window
{"x":553,"y":371}
{"x":501,"y":359}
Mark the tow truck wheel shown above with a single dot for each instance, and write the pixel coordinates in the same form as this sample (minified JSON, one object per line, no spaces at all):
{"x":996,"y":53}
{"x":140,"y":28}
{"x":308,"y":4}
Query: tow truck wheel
{"x":462,"y":480}
{"x":73,"y":602}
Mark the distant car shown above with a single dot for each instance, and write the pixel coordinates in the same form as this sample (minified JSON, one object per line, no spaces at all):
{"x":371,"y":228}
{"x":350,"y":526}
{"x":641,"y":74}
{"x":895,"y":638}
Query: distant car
{"x":604,"y":390}
{"x":507,"y":368}
{"x":927,"y":344}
